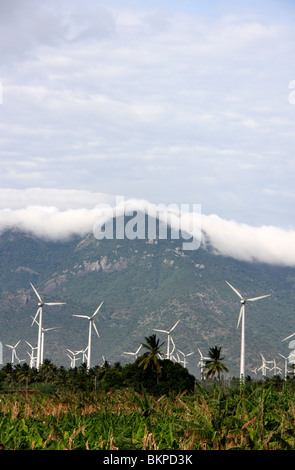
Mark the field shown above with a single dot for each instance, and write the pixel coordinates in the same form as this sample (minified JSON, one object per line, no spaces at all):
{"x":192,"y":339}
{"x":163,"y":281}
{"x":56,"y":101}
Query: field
{"x":257,"y":416}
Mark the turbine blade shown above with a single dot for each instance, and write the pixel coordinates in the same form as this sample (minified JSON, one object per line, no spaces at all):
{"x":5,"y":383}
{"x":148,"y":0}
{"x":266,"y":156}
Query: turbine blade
{"x":139,"y":349}
{"x":256,"y":298}
{"x":189,"y":354}
{"x":97,"y":309}
{"x":54,"y":303}
{"x":288,"y":337}
{"x":35,"y":290}
{"x":240,"y":315}
{"x":94,"y":326}
{"x":174,"y":326}
{"x":235,"y":290}
{"x":162,"y":331}
{"x":82,"y":316}
{"x":34,"y":319}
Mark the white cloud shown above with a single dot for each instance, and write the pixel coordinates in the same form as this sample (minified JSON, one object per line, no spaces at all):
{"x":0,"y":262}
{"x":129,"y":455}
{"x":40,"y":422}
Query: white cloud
{"x":93,"y":93}
{"x":78,"y":212}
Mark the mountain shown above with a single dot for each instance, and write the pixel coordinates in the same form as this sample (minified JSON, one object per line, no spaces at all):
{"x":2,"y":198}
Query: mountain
{"x":145,"y":284}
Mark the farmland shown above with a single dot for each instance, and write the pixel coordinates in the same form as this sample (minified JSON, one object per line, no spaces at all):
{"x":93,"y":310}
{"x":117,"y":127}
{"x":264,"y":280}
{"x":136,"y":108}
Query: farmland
{"x":257,"y":416}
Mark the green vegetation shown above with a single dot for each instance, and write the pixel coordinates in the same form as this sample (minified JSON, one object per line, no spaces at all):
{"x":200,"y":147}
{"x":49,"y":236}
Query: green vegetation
{"x":151,"y":404}
{"x":258,"y":416}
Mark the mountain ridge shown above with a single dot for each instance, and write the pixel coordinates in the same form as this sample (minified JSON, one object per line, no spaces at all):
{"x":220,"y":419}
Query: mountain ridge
{"x":145,"y":284}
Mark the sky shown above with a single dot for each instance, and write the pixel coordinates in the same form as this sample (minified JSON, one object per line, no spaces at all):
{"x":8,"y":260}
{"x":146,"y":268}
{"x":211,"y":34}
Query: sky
{"x":167,"y":101}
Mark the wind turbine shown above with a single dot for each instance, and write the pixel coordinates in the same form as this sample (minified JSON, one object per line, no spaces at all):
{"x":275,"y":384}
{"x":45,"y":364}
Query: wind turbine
{"x":91,"y":322}
{"x":84,"y":355}
{"x":242,"y":317}
{"x":40,"y":313}
{"x":202,"y":362}
{"x":286,"y":365}
{"x":263,"y":367}
{"x":185,"y":357}
{"x":169,"y":337}
{"x":74,"y":358}
{"x":134,"y":353}
{"x":32,"y":359}
{"x":275,"y":368}
{"x":31,"y":354}
{"x":13,"y":352}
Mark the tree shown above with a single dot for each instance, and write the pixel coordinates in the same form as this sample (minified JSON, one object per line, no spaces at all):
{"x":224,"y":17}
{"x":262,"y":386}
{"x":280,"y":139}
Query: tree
{"x":150,"y":359}
{"x":214,"y":365}
{"x":24,"y":373}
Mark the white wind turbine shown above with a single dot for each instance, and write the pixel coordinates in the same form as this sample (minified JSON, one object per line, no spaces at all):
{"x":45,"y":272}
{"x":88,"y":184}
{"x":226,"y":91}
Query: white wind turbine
{"x":263,"y":367}
{"x":13,"y":352}
{"x":202,"y":362}
{"x":169,"y":337}
{"x":40,"y":313}
{"x":84,"y":355}
{"x":185,"y":356}
{"x":91,"y":322}
{"x":73,"y":358}
{"x":276,"y":370}
{"x":31,"y":354}
{"x":242,"y":317}
{"x":32,"y":359}
{"x":286,"y":365}
{"x":135,"y":354}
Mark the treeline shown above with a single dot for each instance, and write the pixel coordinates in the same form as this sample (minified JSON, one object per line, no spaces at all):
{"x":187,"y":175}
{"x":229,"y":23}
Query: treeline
{"x":173,"y":377}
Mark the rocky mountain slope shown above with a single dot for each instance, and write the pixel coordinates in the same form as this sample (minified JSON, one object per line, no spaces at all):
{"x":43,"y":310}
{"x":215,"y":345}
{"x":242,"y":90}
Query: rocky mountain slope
{"x":145,"y":284}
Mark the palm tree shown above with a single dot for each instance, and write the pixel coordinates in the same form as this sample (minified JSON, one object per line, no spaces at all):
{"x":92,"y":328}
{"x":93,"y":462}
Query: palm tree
{"x":214,"y":364}
{"x":25,"y":374}
{"x":151,"y":357}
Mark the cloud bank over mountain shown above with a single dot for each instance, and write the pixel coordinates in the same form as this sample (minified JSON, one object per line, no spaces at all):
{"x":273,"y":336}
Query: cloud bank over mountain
{"x":75,"y":212}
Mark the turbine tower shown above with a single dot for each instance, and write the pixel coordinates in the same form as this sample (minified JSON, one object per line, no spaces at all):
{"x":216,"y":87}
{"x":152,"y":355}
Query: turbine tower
{"x":42,"y":339}
{"x":40,"y":313}
{"x":169,"y":337}
{"x":242,"y":318}
{"x":91,"y":322}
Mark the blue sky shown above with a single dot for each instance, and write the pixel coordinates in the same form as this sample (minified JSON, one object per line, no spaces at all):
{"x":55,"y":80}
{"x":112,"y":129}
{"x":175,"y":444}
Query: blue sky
{"x":167,"y":101}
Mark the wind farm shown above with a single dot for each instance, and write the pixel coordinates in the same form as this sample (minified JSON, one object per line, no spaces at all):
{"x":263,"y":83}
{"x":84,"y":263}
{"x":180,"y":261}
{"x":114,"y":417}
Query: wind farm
{"x":113,"y":309}
{"x":188,"y":329}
